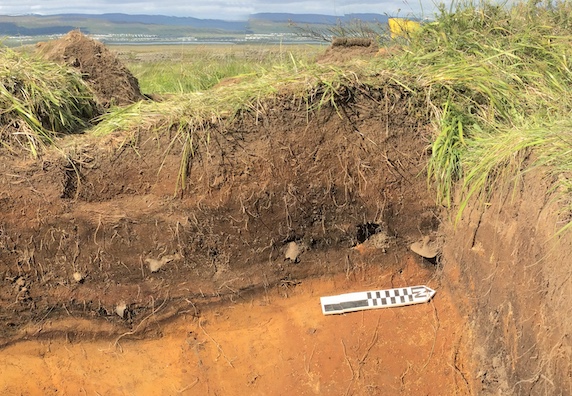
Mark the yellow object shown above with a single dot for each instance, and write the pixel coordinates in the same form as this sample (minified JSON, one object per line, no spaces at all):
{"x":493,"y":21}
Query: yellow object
{"x":401,"y":27}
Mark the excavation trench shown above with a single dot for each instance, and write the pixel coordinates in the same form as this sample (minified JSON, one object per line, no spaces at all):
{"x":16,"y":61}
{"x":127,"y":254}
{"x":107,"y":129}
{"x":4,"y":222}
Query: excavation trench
{"x":117,"y":281}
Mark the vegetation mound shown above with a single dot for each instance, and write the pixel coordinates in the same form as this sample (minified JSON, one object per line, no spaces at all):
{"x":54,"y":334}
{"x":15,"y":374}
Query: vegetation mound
{"x":344,"y":49}
{"x":111,"y":82}
{"x":40,"y":101}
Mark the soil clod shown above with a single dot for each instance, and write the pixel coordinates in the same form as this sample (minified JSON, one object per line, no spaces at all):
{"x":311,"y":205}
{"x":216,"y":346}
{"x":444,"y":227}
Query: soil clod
{"x":426,"y":248}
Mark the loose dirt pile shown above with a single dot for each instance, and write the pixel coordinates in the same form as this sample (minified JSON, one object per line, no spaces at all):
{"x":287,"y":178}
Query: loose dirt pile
{"x":111,"y":82}
{"x":346,"y":49}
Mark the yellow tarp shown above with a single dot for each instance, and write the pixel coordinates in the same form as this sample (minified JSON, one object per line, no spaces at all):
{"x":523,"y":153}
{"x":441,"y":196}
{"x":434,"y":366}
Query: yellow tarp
{"x":401,"y":27}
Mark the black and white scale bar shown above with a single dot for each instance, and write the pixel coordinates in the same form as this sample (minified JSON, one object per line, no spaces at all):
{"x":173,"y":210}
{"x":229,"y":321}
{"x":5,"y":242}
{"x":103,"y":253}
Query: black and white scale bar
{"x":376,"y":299}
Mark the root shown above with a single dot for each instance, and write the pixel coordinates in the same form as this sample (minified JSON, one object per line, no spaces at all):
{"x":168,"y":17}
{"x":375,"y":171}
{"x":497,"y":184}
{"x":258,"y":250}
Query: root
{"x":153,"y":312}
{"x":186,"y":388}
{"x":361,"y":361}
{"x":455,"y":367}
{"x":307,"y":365}
{"x":436,"y":327}
{"x":402,"y":376}
{"x":351,"y":368}
{"x":373,"y":341}
{"x":96,"y":230}
{"x":216,"y":343}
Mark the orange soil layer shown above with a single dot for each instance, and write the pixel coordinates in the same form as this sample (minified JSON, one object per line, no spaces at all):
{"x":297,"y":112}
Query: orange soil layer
{"x":278,"y":343}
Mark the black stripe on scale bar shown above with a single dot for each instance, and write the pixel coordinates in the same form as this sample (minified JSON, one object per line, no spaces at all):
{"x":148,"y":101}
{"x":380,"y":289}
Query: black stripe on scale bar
{"x":346,"y":305}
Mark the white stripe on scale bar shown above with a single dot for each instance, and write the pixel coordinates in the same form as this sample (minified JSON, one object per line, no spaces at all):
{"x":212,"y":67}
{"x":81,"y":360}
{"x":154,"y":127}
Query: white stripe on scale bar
{"x":360,"y":301}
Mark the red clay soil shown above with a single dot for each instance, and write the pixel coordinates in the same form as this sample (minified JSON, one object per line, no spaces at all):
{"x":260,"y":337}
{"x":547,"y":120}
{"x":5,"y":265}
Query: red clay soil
{"x":273,"y":343}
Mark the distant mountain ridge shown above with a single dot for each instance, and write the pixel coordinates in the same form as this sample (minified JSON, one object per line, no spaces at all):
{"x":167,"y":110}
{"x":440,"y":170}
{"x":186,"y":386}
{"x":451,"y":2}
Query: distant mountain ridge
{"x":319,"y":18}
{"x":162,"y":20}
{"x":116,"y":23}
{"x":11,"y":28}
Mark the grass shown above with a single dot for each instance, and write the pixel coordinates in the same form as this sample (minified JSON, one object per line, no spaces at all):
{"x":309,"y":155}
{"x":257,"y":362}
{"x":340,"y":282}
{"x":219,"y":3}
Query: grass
{"x":39,"y":101}
{"x":498,"y":79}
{"x":192,"y":68}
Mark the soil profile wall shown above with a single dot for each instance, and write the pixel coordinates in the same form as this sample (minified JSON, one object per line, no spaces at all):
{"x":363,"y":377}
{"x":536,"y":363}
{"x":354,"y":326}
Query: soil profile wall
{"x":507,"y":257}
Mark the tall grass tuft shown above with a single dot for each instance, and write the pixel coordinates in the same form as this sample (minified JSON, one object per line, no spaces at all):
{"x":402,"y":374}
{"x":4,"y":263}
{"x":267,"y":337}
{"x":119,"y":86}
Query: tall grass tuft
{"x":39,"y":101}
{"x":498,"y":78}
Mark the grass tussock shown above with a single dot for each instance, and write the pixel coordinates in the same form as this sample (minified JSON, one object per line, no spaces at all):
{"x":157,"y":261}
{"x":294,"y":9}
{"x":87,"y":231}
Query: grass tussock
{"x":39,"y":101}
{"x":497,"y":78}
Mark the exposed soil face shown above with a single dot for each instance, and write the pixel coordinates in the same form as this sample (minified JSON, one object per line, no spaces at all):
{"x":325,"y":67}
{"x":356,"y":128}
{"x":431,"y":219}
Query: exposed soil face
{"x":116,"y":280}
{"x":274,"y":343}
{"x":511,"y":261}
{"x":102,"y":246}
{"x":109,"y":217}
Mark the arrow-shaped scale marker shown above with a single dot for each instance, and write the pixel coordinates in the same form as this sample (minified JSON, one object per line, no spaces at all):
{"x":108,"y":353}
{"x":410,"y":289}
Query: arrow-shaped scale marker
{"x":360,"y":301}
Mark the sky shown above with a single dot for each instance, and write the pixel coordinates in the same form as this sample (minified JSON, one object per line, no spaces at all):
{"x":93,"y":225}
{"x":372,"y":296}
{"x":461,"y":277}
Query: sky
{"x":219,"y":9}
